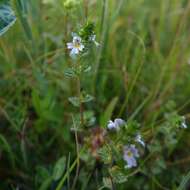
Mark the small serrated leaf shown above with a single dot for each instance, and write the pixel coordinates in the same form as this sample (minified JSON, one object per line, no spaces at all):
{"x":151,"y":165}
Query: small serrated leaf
{"x":105,"y":154}
{"x":88,"y":69}
{"x":75,"y":101}
{"x":117,"y":175}
{"x":87,"y":98}
{"x":70,"y":73}
{"x":107,"y":182}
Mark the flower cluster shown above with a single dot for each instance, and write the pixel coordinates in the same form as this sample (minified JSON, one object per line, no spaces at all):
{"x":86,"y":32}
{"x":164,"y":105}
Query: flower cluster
{"x":116,"y":124}
{"x":130,"y":152}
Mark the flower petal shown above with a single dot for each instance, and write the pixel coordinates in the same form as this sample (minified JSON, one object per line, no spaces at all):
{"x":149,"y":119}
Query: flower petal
{"x":74,"y":51}
{"x":111,"y":125}
{"x":131,"y":162}
{"x":119,"y":122}
{"x":139,"y":140}
{"x":134,"y":151}
{"x":76,"y":39}
{"x":70,"y":45}
{"x":81,"y":47}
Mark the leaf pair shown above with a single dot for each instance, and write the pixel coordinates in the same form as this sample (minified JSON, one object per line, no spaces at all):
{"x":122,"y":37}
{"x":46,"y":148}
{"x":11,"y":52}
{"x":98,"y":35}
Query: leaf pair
{"x":83,"y":99}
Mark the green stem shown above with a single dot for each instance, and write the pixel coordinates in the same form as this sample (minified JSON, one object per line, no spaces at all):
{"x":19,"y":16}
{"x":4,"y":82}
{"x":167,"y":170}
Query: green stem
{"x":60,"y":185}
{"x":81,"y":104}
{"x":81,"y":123}
{"x":86,"y":8}
{"x":78,"y":156}
{"x":23,"y":144}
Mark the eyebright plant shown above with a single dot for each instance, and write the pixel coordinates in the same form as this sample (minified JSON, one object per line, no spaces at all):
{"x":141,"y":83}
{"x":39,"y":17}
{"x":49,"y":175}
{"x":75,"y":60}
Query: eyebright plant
{"x":120,"y":146}
{"x":81,"y":45}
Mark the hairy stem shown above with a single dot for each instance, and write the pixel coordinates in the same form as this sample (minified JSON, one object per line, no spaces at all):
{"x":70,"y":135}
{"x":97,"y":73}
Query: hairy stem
{"x":76,"y":135}
{"x":81,"y":104}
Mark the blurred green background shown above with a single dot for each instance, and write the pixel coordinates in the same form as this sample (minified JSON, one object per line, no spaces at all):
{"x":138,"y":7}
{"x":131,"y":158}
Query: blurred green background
{"x":143,"y":62}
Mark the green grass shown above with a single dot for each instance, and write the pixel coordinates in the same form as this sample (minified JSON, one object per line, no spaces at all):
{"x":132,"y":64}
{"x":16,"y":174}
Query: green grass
{"x":140,"y":69}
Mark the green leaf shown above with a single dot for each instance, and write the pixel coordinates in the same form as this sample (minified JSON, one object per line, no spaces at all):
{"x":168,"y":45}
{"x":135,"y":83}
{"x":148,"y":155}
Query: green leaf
{"x":105,"y":154}
{"x":46,"y":184}
{"x":70,"y":4}
{"x":83,"y":99}
{"x":107,"y":182}
{"x":89,"y":118}
{"x":75,"y":101}
{"x":59,"y":168}
{"x":36,"y":102}
{"x":41,"y":175}
{"x":6,"y":147}
{"x":70,"y":73}
{"x":87,"y":98}
{"x":45,"y":105}
{"x":87,"y":31}
{"x":108,"y":112}
{"x":22,"y":7}
{"x":87,"y":69}
{"x":117,"y":175}
{"x":7,"y":18}
{"x":60,"y":184}
{"x":184,"y":182}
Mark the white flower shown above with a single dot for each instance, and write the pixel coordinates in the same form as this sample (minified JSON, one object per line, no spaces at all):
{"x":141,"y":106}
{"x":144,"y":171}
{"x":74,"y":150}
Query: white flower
{"x":130,"y":155}
{"x":92,"y":38}
{"x":139,"y":140}
{"x":116,"y":124}
{"x":75,"y":46}
{"x":183,"y":124}
{"x":111,"y":125}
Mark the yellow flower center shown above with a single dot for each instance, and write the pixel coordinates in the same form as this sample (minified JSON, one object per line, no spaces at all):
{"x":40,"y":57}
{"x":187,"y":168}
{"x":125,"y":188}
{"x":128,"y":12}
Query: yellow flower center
{"x":77,"y":45}
{"x":129,"y":153}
